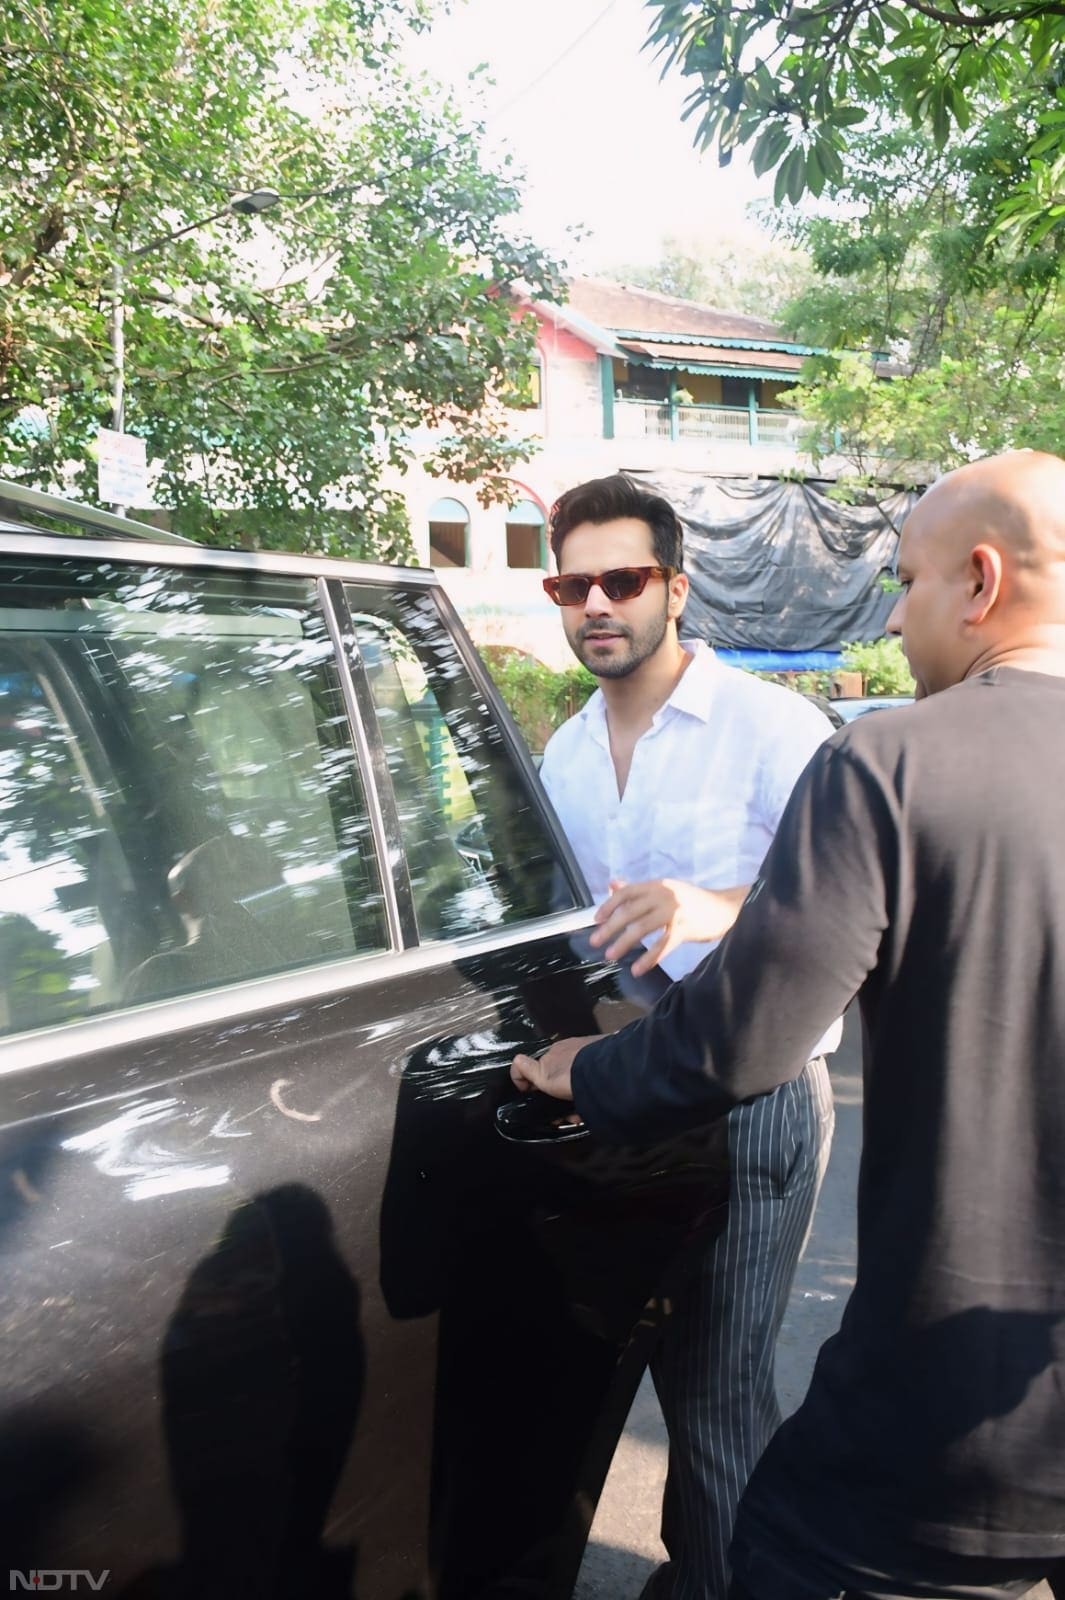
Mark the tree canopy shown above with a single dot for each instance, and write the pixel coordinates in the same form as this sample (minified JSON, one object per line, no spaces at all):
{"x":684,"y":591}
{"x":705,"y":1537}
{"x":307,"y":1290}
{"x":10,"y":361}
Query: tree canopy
{"x":919,"y":153}
{"x":943,"y":343}
{"x":793,"y":80}
{"x":276,"y":366}
{"x":749,"y":272}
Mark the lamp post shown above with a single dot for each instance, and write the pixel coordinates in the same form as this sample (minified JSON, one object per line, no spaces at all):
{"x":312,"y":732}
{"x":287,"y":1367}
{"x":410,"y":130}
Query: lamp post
{"x":245,"y":205}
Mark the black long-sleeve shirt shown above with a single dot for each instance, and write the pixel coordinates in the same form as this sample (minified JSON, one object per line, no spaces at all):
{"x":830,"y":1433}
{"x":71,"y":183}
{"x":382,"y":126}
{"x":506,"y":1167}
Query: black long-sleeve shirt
{"x":921,"y":865}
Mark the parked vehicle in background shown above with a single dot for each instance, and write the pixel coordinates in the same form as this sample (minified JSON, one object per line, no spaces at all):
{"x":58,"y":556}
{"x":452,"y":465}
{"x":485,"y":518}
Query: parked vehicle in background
{"x":845,"y":710}
{"x":296,"y":1301}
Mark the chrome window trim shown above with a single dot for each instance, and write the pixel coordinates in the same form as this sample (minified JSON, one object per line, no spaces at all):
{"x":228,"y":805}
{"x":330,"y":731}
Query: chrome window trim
{"x":238,"y":1001}
{"x":54,"y":505}
{"x":367,"y":775}
{"x":378,"y":775}
{"x":143,"y":554}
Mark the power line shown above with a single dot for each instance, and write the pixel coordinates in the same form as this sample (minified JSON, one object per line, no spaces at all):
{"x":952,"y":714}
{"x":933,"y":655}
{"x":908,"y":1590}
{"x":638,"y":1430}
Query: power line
{"x":465,"y":136}
{"x":557,"y":62}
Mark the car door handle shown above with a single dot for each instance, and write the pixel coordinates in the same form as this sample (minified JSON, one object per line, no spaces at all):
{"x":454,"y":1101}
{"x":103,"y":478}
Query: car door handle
{"x":538,"y":1119}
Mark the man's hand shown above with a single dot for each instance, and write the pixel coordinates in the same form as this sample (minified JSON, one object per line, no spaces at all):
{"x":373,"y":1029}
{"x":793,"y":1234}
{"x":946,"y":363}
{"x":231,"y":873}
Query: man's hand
{"x":682,"y":911}
{"x":551,"y":1071}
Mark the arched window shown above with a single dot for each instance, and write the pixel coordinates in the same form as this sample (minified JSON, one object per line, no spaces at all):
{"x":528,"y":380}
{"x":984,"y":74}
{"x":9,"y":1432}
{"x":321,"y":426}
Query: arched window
{"x":449,"y":534}
{"x":526,"y":540}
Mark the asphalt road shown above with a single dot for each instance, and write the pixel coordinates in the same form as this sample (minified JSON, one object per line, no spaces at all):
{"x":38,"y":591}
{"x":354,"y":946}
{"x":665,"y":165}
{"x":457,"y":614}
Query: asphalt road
{"x":624,"y":1547}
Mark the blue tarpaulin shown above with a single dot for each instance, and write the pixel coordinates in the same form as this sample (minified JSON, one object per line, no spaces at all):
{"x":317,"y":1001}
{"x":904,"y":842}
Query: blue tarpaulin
{"x":783,"y":660}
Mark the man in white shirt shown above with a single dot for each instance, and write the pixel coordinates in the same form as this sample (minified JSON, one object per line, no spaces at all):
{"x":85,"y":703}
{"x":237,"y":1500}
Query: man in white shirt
{"x":670,"y":784}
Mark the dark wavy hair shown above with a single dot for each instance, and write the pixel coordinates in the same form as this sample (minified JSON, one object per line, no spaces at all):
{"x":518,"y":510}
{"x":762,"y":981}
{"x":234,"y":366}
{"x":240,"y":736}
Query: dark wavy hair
{"x":606,"y":499}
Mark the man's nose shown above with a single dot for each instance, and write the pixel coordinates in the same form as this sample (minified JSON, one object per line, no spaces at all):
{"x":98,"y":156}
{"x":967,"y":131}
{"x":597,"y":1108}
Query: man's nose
{"x":596,"y":603}
{"x":894,"y":621}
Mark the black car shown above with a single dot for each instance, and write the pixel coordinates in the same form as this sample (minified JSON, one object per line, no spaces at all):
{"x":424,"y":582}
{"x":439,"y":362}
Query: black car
{"x":298,"y":1300}
{"x":849,"y":709}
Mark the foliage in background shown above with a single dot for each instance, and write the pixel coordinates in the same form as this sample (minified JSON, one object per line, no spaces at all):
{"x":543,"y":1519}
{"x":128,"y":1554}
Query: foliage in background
{"x":282,"y":364}
{"x":538,"y":698}
{"x":882,"y":665}
{"x":911,"y":270}
{"x":750,"y":273}
{"x":808,"y":683}
{"x":793,"y":80}
{"x":936,"y":136}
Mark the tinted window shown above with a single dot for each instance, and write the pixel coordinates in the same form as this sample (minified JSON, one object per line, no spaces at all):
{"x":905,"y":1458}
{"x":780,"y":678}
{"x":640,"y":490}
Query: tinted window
{"x":180,"y":804}
{"x":479,"y":851}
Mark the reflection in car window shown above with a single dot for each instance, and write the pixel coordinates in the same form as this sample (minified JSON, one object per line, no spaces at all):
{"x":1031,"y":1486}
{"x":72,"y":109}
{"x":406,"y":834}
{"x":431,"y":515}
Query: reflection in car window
{"x":479,"y":852}
{"x":180,"y":805}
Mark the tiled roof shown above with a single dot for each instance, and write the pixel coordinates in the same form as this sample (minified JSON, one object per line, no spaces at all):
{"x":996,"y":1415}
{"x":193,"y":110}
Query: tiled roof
{"x":615,"y":305}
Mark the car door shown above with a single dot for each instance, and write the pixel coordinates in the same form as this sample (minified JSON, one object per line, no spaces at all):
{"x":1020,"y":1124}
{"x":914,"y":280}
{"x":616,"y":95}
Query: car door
{"x":553,"y":1245}
{"x":285,"y":1311}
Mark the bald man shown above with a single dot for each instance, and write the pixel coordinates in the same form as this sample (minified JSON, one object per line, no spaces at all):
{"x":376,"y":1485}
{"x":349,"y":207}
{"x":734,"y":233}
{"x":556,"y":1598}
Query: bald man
{"x":920,"y":865}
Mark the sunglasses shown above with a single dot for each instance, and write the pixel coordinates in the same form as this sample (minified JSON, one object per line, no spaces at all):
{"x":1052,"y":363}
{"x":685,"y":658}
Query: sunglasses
{"x":621,"y":583}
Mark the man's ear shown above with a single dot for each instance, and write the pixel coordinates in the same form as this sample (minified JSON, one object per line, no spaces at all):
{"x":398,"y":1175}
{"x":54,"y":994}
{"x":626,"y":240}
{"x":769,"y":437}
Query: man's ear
{"x":985,"y":582}
{"x":678,"y":595}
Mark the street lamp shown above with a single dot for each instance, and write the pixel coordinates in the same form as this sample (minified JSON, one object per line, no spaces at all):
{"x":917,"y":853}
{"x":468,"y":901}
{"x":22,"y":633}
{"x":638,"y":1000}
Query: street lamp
{"x":245,"y":205}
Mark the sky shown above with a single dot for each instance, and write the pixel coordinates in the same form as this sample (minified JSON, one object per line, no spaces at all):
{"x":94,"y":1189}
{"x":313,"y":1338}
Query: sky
{"x":580,"y":106}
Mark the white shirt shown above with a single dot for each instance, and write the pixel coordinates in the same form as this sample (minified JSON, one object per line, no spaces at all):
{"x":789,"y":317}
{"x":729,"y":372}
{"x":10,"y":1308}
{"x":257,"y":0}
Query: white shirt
{"x":708,"y":783}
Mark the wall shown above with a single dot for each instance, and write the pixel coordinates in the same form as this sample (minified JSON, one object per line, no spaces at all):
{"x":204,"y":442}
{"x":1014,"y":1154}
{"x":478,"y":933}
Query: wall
{"x":704,"y":387}
{"x":572,"y":389}
{"x":772,"y":391}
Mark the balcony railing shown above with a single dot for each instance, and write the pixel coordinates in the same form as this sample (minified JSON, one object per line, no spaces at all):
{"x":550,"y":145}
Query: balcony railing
{"x":652,"y":419}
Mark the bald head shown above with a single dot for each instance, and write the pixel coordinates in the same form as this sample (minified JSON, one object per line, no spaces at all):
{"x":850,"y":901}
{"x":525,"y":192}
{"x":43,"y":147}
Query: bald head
{"x":1015,"y":502}
{"x":982,"y":559}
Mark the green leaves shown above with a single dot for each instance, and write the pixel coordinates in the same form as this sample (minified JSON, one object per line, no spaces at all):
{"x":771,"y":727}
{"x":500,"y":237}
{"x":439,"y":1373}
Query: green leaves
{"x":793,"y":80}
{"x":749,"y":273}
{"x":791,"y":179}
{"x":961,"y":319}
{"x":883,"y":666}
{"x":772,"y":142}
{"x":273,"y":365}
{"x":538,"y":698}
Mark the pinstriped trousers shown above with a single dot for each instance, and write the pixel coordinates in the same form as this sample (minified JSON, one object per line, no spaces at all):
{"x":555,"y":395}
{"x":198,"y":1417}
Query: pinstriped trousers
{"x":714,"y":1368}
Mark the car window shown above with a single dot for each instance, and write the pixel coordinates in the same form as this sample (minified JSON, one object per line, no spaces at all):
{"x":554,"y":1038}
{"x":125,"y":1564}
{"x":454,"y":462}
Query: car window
{"x":479,"y":851}
{"x":180,"y":801}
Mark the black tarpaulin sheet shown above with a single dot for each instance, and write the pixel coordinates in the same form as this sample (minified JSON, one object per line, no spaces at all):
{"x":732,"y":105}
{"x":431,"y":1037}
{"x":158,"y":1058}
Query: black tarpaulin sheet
{"x":778,"y":565}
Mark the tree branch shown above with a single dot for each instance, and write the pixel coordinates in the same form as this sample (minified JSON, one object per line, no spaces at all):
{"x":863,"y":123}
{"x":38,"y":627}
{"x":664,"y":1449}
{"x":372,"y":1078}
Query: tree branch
{"x":961,"y":19}
{"x":950,"y":19}
{"x":48,"y":236}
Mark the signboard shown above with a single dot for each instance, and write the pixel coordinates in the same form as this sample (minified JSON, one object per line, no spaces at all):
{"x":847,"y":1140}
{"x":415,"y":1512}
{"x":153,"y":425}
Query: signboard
{"x":123,"y":468}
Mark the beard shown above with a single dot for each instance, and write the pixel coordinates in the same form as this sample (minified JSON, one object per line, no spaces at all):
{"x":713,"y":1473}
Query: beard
{"x":642,"y":643}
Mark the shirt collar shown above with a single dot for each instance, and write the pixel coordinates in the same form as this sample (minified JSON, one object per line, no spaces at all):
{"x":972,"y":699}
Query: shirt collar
{"x":692,"y":692}
{"x":695,"y":687}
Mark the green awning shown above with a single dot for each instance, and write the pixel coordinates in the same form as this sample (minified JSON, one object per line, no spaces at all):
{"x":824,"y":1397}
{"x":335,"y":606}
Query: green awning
{"x":771,"y":373}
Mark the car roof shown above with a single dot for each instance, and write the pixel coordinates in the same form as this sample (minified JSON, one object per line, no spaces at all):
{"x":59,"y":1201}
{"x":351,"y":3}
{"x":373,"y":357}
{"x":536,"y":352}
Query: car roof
{"x":32,"y":522}
{"x":848,"y":708}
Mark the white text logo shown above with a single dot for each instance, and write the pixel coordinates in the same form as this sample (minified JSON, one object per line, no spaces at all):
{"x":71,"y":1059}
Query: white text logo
{"x":40,"y":1579}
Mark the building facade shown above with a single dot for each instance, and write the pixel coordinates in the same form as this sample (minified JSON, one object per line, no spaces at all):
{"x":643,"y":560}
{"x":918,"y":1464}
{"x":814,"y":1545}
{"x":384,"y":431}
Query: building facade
{"x":624,"y":379}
